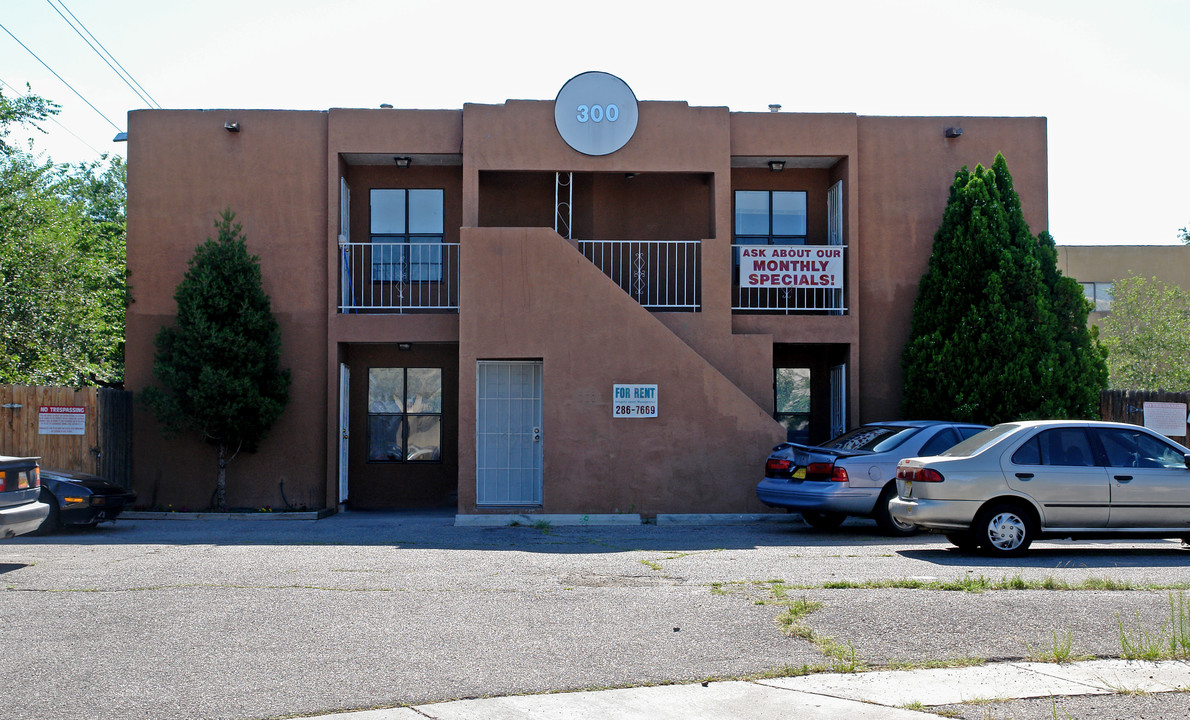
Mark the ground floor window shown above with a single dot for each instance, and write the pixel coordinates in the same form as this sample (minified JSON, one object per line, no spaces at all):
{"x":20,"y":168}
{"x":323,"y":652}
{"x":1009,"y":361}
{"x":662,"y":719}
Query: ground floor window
{"x":792,"y":388}
{"x":404,"y":414}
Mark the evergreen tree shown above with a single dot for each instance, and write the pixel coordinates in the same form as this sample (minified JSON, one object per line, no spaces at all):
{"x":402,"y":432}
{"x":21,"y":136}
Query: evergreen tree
{"x":997,"y":334}
{"x":219,"y":367}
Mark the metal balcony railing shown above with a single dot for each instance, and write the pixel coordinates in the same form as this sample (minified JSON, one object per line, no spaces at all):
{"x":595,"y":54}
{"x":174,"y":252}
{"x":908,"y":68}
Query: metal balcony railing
{"x":816,"y":288}
{"x":398,"y":277}
{"x":658,"y":274}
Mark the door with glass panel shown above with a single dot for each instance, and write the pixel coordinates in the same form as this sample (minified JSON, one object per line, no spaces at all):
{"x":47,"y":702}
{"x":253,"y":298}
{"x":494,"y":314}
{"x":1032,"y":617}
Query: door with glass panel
{"x":792,"y":390}
{"x":509,"y":455}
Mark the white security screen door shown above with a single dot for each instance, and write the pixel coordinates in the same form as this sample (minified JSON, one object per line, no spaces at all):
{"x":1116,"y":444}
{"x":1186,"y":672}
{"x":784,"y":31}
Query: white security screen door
{"x":838,"y":400}
{"x":346,"y":290}
{"x":344,"y":392}
{"x":508,"y":454}
{"x":834,"y":235}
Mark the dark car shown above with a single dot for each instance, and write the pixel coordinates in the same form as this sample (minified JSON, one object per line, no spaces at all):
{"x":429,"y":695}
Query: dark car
{"x":20,"y":485}
{"x":76,"y":498}
{"x":855,"y":473}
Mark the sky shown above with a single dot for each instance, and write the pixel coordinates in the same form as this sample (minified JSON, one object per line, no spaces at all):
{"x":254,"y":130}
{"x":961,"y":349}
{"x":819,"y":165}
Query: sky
{"x":1113,"y":78}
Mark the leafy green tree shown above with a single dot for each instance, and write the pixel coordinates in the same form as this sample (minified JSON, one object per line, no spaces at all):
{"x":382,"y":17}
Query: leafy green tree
{"x":997,"y":334}
{"x":62,"y":262}
{"x":1184,"y":235}
{"x":1147,"y":335}
{"x":219,"y":367}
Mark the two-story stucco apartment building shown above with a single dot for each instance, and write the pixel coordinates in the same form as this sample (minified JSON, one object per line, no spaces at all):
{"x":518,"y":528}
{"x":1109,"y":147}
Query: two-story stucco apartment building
{"x":588,"y":305}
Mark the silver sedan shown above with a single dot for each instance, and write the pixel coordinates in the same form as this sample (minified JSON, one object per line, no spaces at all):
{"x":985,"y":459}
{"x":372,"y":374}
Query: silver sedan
{"x":1016,"y":482}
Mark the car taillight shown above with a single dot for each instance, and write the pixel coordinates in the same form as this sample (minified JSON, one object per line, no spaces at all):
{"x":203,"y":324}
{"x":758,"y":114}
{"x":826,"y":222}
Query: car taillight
{"x":35,"y":477}
{"x":820,"y":468}
{"x":3,"y":480}
{"x":919,"y":474}
{"x":777,"y":467}
{"x":839,"y":474}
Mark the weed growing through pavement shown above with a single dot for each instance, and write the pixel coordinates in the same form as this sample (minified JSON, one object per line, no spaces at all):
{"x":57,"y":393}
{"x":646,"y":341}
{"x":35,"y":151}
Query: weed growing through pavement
{"x":1170,"y":641}
{"x":1060,"y":651}
{"x":980,"y":583}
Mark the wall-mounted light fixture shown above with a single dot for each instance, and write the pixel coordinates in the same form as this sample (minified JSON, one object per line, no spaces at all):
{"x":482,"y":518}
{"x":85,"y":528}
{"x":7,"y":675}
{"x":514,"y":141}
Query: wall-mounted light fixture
{"x":232,"y":126}
{"x":403,"y":161}
{"x":776,"y":165}
{"x":954,"y":132}
{"x":386,"y":106}
{"x":775,"y":107}
{"x":404,"y":346}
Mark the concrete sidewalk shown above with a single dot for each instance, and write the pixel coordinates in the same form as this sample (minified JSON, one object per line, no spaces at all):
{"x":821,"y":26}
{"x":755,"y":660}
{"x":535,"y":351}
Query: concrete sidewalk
{"x":855,"y":696}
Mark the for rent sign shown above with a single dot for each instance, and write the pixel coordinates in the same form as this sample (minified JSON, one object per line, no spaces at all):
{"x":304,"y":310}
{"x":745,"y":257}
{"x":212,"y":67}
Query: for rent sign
{"x":61,"y":420}
{"x":791,"y":267}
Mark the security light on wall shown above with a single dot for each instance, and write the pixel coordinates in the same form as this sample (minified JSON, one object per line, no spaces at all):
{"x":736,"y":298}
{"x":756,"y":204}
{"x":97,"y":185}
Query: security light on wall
{"x":775,"y":107}
{"x":954,"y":132}
{"x":776,"y":165}
{"x":403,"y":161}
{"x":232,"y":126}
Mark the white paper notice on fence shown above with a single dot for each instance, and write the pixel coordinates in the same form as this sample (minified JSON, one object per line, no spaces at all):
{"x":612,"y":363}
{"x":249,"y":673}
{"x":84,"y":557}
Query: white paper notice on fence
{"x":62,"y":420}
{"x":791,"y":266}
{"x":1166,"y":418}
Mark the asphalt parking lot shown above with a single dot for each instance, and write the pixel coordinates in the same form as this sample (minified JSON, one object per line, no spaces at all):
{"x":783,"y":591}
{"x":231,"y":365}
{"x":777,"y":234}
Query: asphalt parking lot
{"x":169,"y":619}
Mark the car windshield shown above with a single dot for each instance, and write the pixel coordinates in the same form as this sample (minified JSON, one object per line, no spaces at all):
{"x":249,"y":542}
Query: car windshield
{"x":873,"y":438}
{"x":980,"y":441}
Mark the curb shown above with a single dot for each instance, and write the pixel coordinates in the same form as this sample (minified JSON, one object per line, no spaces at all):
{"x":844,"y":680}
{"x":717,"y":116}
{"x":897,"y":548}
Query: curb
{"x":226,"y":516}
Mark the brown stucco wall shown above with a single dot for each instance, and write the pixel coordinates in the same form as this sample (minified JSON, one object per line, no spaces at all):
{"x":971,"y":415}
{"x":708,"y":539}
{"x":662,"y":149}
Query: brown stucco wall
{"x":183,"y":169}
{"x":701,"y":454}
{"x":1108,"y":263}
{"x":906,"y":167}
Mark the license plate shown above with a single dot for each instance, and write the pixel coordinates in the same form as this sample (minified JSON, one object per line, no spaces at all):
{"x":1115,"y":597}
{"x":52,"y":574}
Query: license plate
{"x":799,"y":474}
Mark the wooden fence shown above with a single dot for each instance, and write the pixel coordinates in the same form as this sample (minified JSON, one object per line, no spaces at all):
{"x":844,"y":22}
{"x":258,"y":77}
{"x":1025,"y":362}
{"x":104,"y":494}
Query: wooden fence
{"x":1129,"y":405}
{"x":45,"y":422}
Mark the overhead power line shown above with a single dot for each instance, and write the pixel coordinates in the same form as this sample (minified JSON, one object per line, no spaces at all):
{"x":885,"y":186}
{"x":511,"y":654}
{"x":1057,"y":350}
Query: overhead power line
{"x":104,"y":54}
{"x":47,"y":67}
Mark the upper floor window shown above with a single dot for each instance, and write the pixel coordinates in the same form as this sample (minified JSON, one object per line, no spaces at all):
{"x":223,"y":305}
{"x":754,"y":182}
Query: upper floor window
{"x":770,"y":217}
{"x":1099,"y":293}
{"x":406,"y":235}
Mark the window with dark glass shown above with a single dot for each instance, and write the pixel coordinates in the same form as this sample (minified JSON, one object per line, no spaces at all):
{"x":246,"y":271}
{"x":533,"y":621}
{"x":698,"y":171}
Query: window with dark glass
{"x":792,"y":386}
{"x":1067,"y":447}
{"x":769,"y":217}
{"x":404,"y":414}
{"x":406,"y":235}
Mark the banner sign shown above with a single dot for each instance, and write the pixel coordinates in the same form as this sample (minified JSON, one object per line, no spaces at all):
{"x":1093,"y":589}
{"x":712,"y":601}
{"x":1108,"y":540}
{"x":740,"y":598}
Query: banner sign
{"x":791,"y":266}
{"x":61,"y":420}
{"x":634,"y":401}
{"x":1166,"y":418}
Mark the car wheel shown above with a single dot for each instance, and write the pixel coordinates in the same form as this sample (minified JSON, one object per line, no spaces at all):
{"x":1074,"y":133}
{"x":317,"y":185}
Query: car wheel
{"x":52,"y":521}
{"x":823,"y":520}
{"x":889,"y":524}
{"x":962,"y":540}
{"x":1004,"y":530}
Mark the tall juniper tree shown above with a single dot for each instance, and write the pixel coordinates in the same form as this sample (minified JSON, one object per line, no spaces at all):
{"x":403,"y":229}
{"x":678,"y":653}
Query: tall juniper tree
{"x":219,"y":367}
{"x":998,"y":334}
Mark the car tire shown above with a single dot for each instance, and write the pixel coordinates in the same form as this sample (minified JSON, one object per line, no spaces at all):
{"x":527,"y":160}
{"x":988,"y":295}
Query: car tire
{"x":823,"y":520}
{"x":883,"y":517}
{"x":52,"y":520}
{"x":964,"y":541}
{"x":1004,"y":530}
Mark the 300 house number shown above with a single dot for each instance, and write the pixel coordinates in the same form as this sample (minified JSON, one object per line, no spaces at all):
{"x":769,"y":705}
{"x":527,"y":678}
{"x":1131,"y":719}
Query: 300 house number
{"x":597,"y":113}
